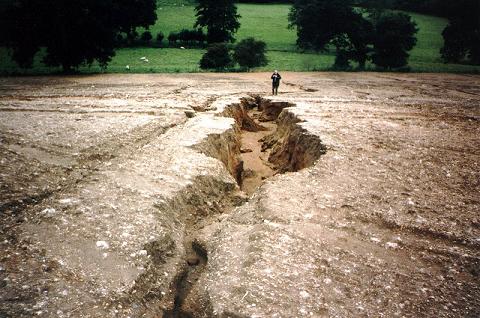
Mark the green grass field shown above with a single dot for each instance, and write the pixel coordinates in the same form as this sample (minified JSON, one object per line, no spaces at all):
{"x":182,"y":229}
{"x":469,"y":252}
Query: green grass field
{"x":264,"y":22}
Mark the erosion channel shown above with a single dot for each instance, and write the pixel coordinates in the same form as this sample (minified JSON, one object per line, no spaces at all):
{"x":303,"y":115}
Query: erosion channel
{"x":267,"y":141}
{"x":271,"y":142}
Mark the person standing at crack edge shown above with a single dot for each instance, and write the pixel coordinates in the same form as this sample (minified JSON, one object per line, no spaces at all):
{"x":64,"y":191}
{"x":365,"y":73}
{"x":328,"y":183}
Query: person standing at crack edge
{"x":275,"y":82}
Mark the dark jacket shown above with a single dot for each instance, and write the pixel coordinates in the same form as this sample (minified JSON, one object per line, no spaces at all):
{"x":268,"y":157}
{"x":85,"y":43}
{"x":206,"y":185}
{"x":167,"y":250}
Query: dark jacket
{"x":276,"y":79}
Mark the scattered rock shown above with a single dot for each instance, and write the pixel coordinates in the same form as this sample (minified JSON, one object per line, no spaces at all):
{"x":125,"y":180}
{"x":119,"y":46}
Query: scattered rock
{"x":190,"y":113}
{"x":102,"y":245}
{"x":391,"y":245}
{"x":49,"y":212}
{"x":193,"y":260}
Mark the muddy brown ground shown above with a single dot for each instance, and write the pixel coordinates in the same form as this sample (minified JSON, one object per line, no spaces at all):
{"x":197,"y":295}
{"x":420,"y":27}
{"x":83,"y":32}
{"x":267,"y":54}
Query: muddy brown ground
{"x":256,"y":166}
{"x":365,"y":204}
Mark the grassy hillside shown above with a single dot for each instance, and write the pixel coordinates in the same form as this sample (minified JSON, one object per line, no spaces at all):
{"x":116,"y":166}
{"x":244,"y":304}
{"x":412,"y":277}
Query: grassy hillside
{"x":425,"y":56}
{"x":265,"y":22}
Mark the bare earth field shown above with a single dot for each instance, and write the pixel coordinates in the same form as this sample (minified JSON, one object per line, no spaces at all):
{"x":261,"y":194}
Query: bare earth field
{"x":199,"y":195}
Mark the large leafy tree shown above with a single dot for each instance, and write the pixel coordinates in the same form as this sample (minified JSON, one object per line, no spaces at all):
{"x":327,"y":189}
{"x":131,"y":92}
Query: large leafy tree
{"x":394,"y":37}
{"x":71,"y":32}
{"x":462,"y":34}
{"x":323,"y":22}
{"x":219,"y":17}
{"x":320,"y":21}
{"x":360,"y":33}
{"x":130,"y":14}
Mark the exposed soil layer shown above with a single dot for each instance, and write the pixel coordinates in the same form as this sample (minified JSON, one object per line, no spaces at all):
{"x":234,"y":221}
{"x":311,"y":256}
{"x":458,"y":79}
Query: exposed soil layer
{"x":247,"y":159}
{"x":269,"y":144}
{"x":138,"y":196}
{"x":255,"y":161}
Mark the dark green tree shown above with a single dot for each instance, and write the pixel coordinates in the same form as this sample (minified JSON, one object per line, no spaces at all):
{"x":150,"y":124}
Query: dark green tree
{"x":360,"y":34}
{"x":71,"y":32}
{"x":394,"y":37}
{"x":172,"y":38}
{"x":146,"y":38}
{"x":462,"y":34}
{"x":431,"y":7}
{"x":320,"y":21}
{"x":344,"y":49}
{"x":250,"y":53}
{"x":217,"y":57}
{"x":219,"y":17}
{"x":323,"y":22}
{"x":130,"y":14}
{"x":160,"y":37}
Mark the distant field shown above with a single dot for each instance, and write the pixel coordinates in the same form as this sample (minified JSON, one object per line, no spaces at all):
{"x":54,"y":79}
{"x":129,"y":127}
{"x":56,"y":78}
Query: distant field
{"x":265,"y":22}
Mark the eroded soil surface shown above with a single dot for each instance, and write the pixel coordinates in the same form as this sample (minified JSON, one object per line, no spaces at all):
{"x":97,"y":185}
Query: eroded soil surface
{"x":256,"y":166}
{"x":199,"y":195}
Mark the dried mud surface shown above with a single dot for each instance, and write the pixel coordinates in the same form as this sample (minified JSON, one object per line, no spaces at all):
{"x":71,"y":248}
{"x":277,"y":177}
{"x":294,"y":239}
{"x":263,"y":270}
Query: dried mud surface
{"x":136,"y":196}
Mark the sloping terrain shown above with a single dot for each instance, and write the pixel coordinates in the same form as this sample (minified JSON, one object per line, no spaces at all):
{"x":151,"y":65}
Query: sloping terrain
{"x":347,"y":195}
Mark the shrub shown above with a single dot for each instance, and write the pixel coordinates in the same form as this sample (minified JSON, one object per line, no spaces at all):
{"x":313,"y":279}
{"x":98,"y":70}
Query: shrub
{"x":250,"y":53}
{"x":189,"y":37}
{"x":131,"y":38}
{"x":172,"y":38}
{"x":160,"y":37}
{"x":216,"y":57}
{"x":185,"y":36}
{"x":200,"y":37}
{"x":146,"y":37}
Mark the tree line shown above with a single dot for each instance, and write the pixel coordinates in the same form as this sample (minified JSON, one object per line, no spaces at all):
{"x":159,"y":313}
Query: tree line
{"x":71,"y":32}
{"x":382,"y":37}
{"x":80,"y":32}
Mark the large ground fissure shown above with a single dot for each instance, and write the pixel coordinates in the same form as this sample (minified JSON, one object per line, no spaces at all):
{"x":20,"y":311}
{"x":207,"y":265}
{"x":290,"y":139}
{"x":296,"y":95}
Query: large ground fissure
{"x":272,"y":141}
{"x":263,"y":144}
